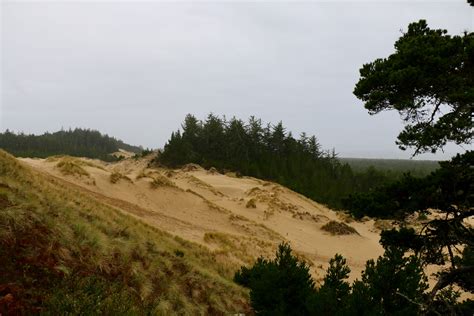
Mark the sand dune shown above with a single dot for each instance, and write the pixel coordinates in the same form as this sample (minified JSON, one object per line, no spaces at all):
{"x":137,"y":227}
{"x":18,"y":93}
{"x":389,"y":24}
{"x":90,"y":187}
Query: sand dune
{"x":238,"y":218}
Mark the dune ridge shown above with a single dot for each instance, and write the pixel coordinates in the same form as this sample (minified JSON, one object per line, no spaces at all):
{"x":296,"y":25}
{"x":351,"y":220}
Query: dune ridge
{"x":212,"y":209}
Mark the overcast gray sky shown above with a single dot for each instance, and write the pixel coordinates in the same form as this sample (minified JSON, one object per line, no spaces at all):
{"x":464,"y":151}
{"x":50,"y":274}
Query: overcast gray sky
{"x":134,"y":69}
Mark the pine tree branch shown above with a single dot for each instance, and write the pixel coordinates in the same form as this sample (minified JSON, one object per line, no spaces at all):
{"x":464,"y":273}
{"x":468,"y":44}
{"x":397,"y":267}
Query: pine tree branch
{"x":448,"y":278}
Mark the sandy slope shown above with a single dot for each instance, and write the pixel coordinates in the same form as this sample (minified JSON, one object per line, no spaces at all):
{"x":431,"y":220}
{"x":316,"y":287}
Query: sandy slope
{"x":210,"y":208}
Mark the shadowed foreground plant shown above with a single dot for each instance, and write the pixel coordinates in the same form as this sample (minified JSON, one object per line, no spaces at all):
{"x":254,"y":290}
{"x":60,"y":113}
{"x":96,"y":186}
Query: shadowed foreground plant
{"x":280,"y":286}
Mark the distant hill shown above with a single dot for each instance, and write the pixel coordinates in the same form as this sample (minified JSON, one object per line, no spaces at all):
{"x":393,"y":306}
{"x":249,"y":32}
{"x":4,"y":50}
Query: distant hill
{"x":77,"y":142}
{"x":415,"y":167}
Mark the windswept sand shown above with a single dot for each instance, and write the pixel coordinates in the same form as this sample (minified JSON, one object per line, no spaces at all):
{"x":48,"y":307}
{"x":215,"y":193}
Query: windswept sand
{"x":211,"y":209}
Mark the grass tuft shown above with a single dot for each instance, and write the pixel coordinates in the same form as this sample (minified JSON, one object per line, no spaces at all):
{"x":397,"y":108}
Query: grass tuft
{"x":161,"y":181}
{"x":70,"y":167}
{"x":251,"y":204}
{"x":339,"y":228}
{"x":117,"y":176}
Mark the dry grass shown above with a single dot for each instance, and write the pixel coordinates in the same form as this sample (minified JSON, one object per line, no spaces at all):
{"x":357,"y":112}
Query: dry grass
{"x":117,"y":176}
{"x":251,"y":204}
{"x":308,"y":216}
{"x":161,"y":181}
{"x":383,"y":224}
{"x":83,"y":162}
{"x":339,"y":228}
{"x":170,"y":173}
{"x":215,"y":207}
{"x":4,"y":201}
{"x":157,"y":179}
{"x":146,"y":174}
{"x":238,"y":250}
{"x":66,"y":251}
{"x":236,"y":217}
{"x":345,"y":217}
{"x":191,"y":167}
{"x":203,"y":185}
{"x":196,"y":194}
{"x":232,"y":174}
{"x":213,"y":170}
{"x":271,"y":197}
{"x":71,"y":167}
{"x":55,"y":158}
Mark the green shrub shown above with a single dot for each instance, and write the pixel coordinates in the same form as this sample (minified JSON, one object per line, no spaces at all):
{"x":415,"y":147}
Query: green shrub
{"x":395,"y":284}
{"x":280,"y":286}
{"x":331,"y":298}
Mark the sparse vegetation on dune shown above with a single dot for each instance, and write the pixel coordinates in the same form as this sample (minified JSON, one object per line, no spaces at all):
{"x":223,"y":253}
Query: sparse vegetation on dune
{"x":308,"y":216}
{"x":234,"y":251}
{"x":339,"y":228}
{"x":161,"y":181}
{"x":117,"y":176}
{"x":157,"y":178}
{"x":64,"y":252}
{"x":66,"y":163}
{"x":191,"y":167}
{"x":251,"y":203}
{"x":201,"y":184}
{"x":145,"y":174}
{"x":71,"y":167}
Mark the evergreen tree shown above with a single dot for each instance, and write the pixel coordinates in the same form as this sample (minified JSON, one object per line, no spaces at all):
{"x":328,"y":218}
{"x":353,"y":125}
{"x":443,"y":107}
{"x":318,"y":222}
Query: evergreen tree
{"x":77,"y":142}
{"x":429,"y":80}
{"x":429,"y":70}
{"x":268,"y":152}
{"x":280,"y":286}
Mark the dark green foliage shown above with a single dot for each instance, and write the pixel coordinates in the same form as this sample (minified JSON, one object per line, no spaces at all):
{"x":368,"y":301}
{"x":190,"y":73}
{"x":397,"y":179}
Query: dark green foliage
{"x":179,"y":253}
{"x":452,"y":184}
{"x":332,"y":296}
{"x":403,"y":238}
{"x":394,"y":168}
{"x":386,"y":201}
{"x":142,"y":153}
{"x":91,"y":296}
{"x":429,"y":80}
{"x":446,"y":240}
{"x":77,"y":142}
{"x":393,"y":285}
{"x":337,"y":272}
{"x":280,"y":286}
{"x":271,"y":153}
{"x":466,"y":259}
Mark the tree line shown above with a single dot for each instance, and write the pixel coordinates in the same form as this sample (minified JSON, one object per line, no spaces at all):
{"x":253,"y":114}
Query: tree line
{"x":429,"y":70}
{"x":268,"y":152}
{"x":78,"y":142}
{"x":451,"y":184}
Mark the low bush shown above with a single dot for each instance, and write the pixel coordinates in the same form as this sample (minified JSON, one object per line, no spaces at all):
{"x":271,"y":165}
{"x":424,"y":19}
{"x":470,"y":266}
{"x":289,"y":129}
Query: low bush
{"x":339,"y":228}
